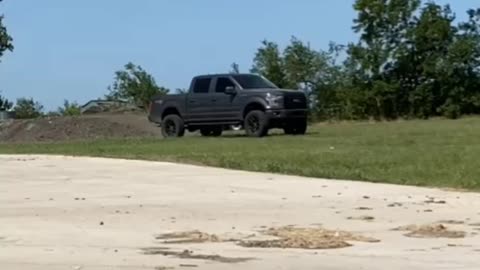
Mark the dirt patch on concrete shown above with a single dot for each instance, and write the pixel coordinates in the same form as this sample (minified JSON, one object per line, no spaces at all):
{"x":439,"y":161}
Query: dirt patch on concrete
{"x":362,"y":218}
{"x":53,"y":129}
{"x":363,"y":208}
{"x":188,"y":254}
{"x":451,"y":222}
{"x":188,"y":237}
{"x":164,"y":268}
{"x":431,"y":231}
{"x":432,"y":200}
{"x":306,"y":238}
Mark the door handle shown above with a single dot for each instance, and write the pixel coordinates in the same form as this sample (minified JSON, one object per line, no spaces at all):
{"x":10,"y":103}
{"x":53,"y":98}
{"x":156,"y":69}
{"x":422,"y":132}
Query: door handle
{"x":191,"y":101}
{"x":214,"y":100}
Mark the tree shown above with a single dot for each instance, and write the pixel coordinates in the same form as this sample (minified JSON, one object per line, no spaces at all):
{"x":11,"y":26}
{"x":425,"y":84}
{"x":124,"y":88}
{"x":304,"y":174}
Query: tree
{"x":69,"y":109}
{"x":302,"y":65}
{"x":5,"y":39}
{"x":384,"y":27}
{"x":5,"y":105}
{"x":433,"y":36}
{"x":27,"y":108}
{"x":134,"y":85}
{"x":269,"y":63}
{"x":235,"y":68}
{"x":457,"y":76}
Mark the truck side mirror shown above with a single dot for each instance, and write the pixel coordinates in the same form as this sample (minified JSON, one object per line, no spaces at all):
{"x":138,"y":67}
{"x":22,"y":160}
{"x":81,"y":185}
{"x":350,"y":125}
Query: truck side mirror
{"x":230,"y":90}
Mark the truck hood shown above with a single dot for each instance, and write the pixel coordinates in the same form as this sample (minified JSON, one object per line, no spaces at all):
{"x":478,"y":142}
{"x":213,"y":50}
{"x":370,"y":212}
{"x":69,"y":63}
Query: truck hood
{"x":273,"y":91}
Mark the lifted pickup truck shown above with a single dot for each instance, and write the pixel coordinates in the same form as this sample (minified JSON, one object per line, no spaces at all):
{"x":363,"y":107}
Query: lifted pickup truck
{"x":215,"y":102}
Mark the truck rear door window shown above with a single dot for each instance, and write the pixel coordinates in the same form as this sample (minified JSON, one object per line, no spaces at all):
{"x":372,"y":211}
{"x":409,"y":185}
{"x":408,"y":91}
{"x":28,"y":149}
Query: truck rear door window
{"x":202,"y":86}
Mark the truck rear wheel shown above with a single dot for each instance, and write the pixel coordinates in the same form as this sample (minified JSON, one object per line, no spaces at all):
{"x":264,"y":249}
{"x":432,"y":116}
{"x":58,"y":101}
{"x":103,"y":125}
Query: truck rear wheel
{"x":256,"y":124}
{"x":173,"y":126}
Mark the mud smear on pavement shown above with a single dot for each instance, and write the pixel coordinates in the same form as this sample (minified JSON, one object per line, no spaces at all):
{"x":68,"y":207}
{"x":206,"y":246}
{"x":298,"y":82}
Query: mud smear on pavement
{"x":362,"y":218}
{"x":306,"y":238}
{"x":451,"y":222}
{"x":363,"y":208}
{"x":430,"y":231}
{"x":432,"y":200}
{"x":188,"y":254}
{"x":395,"y":204}
{"x":189,"y":238}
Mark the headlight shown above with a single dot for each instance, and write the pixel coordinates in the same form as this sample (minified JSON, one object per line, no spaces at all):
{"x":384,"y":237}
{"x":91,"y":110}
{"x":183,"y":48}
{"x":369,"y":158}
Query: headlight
{"x":274,"y":101}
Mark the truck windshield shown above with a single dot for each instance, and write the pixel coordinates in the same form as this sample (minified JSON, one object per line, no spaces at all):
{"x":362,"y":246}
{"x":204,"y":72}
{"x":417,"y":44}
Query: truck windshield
{"x":253,"y":82}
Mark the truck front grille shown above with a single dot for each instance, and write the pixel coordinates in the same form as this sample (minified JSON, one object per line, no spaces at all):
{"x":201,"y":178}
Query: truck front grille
{"x":295,"y":101}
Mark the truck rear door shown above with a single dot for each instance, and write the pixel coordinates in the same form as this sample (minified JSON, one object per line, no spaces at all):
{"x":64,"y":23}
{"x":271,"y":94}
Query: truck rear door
{"x":198,"y":105}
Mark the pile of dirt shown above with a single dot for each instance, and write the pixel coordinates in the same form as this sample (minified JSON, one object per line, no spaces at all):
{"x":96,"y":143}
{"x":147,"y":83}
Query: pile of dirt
{"x":430,"y":231}
{"x":307,"y":238}
{"x":53,"y":129}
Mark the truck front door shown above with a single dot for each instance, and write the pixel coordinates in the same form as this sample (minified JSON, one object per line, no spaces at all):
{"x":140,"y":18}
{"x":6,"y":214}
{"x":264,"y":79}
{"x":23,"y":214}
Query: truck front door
{"x":225,"y":106}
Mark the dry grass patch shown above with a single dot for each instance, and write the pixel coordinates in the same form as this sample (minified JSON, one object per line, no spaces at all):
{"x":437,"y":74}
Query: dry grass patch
{"x":188,"y":237}
{"x":306,"y":238}
{"x":431,"y":231}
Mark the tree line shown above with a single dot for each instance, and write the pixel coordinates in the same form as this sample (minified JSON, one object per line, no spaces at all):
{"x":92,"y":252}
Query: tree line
{"x":412,"y":59}
{"x":27,"y":108}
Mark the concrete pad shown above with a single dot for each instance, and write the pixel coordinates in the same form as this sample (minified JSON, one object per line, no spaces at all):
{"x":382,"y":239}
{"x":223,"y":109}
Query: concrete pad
{"x":89,"y":213}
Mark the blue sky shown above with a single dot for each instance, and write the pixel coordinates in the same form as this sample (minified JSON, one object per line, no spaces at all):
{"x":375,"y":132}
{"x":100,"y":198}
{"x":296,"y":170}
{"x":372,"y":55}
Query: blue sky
{"x":67,"y":49}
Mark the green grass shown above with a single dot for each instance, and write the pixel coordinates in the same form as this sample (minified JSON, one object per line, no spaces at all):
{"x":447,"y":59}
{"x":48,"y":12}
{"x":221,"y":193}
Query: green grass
{"x":441,"y":153}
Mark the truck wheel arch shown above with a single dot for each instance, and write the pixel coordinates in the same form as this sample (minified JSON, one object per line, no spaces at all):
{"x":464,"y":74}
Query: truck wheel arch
{"x":253,"y":106}
{"x":169,"y":111}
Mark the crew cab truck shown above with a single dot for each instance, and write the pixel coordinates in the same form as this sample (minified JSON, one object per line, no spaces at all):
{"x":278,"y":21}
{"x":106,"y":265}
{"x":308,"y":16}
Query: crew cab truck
{"x":215,"y":102}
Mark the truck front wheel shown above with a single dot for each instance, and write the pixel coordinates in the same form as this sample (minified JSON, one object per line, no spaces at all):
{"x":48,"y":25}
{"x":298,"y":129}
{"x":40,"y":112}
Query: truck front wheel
{"x":256,"y":124}
{"x":173,"y":126}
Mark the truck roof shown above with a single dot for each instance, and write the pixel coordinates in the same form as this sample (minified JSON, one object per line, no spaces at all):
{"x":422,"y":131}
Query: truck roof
{"x":224,"y":75}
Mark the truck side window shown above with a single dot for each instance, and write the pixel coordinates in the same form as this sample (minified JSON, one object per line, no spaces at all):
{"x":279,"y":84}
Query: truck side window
{"x":202,"y":86}
{"x":223,"y":83}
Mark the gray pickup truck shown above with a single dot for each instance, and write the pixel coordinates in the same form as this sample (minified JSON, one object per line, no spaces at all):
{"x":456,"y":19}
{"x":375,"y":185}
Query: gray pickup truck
{"x":216,"y":102}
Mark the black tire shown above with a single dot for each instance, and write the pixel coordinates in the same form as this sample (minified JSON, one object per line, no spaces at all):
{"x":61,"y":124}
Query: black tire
{"x":289,"y":129}
{"x":297,"y":127}
{"x":217,"y":131}
{"x":256,"y":124}
{"x":211,"y":131}
{"x":173,"y":126}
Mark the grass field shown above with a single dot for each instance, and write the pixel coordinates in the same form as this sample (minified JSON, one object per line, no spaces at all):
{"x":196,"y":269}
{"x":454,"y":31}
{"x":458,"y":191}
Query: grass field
{"x":441,"y":153}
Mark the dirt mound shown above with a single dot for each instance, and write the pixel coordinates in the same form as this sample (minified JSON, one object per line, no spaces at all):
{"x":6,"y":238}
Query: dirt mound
{"x":307,"y":238}
{"x":77,"y":128}
{"x":430,"y":231}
